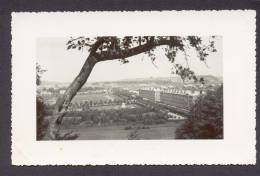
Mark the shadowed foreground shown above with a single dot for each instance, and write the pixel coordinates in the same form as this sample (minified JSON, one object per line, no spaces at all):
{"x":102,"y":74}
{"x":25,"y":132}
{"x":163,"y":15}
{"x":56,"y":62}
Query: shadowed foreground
{"x":124,"y":132}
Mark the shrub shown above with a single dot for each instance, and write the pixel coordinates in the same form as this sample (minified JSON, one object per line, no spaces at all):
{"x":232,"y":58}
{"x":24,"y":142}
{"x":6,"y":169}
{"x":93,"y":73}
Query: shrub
{"x":133,"y":135}
{"x":42,"y":123}
{"x":128,"y":128}
{"x":210,"y":128}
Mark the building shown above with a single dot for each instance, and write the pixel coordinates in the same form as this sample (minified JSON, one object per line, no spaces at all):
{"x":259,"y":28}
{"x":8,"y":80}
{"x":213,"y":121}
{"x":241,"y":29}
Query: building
{"x":147,"y":94}
{"x":174,"y":116}
{"x":176,"y":99}
{"x":180,"y":101}
{"x":62,"y":91}
{"x":157,"y":95}
{"x":45,"y":93}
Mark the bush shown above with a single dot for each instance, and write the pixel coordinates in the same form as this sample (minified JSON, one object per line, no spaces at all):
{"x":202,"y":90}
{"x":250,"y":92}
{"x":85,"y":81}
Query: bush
{"x":128,"y":128}
{"x":143,"y":127}
{"x":42,"y":123}
{"x":210,"y":128}
{"x":133,"y":135}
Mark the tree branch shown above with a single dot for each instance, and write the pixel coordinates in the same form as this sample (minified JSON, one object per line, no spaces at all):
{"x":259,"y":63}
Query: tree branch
{"x":124,"y":53}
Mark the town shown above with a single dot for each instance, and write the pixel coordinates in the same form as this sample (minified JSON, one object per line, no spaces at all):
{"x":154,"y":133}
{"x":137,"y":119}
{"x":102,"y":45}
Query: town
{"x":127,"y":103}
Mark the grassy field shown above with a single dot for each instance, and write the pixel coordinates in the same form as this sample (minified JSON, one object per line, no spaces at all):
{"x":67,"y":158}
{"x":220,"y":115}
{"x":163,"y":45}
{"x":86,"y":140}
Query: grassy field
{"x":108,"y":107}
{"x":162,"y":131}
{"x":95,"y":97}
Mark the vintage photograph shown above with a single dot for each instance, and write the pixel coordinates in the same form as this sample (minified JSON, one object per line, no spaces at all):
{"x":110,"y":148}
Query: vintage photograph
{"x":133,"y":88}
{"x":129,"y":87}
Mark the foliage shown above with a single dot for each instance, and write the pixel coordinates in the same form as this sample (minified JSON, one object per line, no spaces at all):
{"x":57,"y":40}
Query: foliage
{"x":112,"y":47}
{"x":210,"y":105}
{"x":41,"y":123}
{"x":146,"y":116}
{"x":207,"y":121}
{"x":128,"y":128}
{"x":39,"y":72}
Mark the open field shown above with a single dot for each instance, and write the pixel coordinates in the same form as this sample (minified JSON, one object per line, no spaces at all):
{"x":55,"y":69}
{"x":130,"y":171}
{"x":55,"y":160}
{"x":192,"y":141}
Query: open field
{"x":115,"y":107}
{"x":95,"y":97}
{"x":162,"y":131}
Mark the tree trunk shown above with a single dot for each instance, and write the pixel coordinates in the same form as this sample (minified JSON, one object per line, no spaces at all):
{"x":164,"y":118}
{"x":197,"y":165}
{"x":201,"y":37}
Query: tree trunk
{"x":63,"y":102}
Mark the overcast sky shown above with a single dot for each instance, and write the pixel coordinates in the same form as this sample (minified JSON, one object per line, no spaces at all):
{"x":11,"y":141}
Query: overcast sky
{"x":63,"y":65}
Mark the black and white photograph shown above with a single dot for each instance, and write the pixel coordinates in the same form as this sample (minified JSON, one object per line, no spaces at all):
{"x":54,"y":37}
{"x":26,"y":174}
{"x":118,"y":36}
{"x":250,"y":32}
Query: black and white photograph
{"x":129,"y":88}
{"x":148,"y":88}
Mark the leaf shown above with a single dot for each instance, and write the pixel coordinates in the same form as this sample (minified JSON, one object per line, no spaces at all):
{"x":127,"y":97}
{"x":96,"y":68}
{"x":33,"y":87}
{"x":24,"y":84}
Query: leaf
{"x":69,"y":47}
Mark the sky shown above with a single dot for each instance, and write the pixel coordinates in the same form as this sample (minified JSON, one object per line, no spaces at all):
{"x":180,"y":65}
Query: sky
{"x":63,"y":65}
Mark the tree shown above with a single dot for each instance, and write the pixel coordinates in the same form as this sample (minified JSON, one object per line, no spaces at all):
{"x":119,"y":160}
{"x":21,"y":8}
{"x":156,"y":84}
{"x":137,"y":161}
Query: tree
{"x":210,"y":105}
{"x":39,"y":72}
{"x":122,"y":48}
{"x":207,"y":122}
{"x":41,"y":123}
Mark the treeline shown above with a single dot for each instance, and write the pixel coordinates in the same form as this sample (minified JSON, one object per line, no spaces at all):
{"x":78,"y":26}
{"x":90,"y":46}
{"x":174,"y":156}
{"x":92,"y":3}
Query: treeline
{"x":88,"y":104}
{"x":146,"y":116}
{"x":83,"y":89}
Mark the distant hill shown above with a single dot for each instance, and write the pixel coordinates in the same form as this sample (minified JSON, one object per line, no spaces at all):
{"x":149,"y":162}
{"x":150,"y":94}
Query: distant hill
{"x":209,"y":79}
{"x":151,"y":79}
